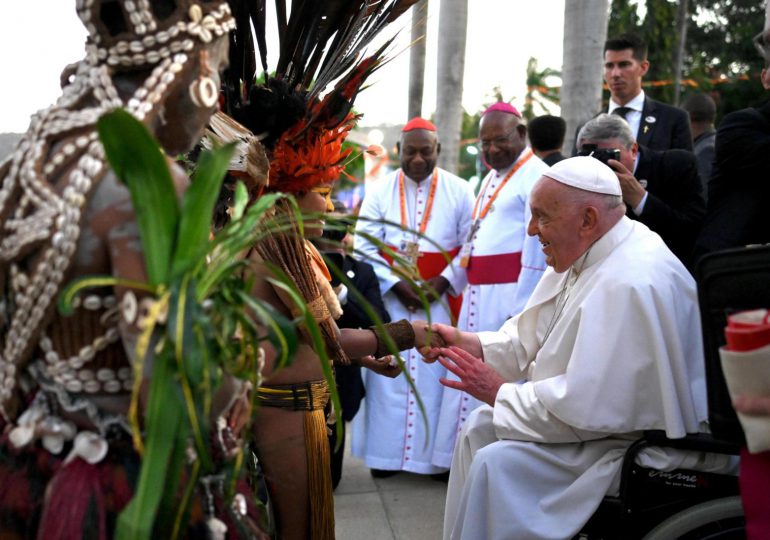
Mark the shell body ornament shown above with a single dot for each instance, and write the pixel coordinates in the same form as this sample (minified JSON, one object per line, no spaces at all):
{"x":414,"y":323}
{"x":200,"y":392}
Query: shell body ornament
{"x":46,"y":182}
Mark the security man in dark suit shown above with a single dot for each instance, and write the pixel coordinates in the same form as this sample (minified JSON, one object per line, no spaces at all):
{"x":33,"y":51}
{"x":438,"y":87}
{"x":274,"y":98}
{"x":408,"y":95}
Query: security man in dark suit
{"x":655,"y":125}
{"x":661,"y":189}
{"x":738,"y":190}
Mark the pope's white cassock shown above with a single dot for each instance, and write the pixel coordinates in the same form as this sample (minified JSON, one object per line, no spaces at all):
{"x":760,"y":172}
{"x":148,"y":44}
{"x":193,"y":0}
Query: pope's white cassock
{"x":389,"y":432}
{"x":623,"y":355}
{"x":505,"y":266}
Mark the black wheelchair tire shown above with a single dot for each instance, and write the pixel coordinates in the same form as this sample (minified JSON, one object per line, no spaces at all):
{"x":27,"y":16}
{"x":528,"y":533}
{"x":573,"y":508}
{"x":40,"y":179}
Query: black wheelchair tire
{"x":695,"y":517}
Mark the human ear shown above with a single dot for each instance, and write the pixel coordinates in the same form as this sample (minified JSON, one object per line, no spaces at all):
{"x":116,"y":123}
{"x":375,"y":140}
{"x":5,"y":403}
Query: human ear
{"x":590,"y":219}
{"x":766,"y":78}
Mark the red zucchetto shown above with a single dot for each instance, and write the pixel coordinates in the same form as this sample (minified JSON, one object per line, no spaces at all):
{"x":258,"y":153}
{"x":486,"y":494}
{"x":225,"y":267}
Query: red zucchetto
{"x":418,"y":123}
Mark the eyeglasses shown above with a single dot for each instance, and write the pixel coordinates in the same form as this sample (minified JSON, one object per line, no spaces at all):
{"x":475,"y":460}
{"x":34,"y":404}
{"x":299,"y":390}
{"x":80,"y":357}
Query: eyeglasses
{"x":761,"y":44}
{"x":499,"y":142}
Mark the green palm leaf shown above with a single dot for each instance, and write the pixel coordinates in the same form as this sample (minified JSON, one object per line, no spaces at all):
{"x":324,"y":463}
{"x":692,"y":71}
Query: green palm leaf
{"x":138,"y":161}
{"x":198,"y":207}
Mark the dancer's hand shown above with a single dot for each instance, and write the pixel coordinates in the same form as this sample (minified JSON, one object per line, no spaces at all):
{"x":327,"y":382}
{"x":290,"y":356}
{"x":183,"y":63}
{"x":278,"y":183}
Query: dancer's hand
{"x":427,"y":337}
{"x":386,"y":365}
{"x":450,"y":335}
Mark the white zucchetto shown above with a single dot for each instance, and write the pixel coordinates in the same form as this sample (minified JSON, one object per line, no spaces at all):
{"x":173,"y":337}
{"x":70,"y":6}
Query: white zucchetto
{"x":586,"y":173}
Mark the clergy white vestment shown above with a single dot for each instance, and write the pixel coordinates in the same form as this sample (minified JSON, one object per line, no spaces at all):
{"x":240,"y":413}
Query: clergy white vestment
{"x":391,"y":434}
{"x":609,"y":348}
{"x":504,"y":268}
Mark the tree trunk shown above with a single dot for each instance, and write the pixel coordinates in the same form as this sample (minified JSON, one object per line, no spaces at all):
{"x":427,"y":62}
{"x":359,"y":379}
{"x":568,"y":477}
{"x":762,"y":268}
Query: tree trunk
{"x":417,"y":57}
{"x":585,"y":30}
{"x":681,"y":32}
{"x":453,"y":24}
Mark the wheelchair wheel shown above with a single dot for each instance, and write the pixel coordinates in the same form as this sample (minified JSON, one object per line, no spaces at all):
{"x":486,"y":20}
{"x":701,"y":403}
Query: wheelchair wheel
{"x":718,"y":519}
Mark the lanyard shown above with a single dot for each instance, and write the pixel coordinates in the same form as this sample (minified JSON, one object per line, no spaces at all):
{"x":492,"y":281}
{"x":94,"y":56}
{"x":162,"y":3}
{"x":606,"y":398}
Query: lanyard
{"x":428,"y":205}
{"x":485,"y":209}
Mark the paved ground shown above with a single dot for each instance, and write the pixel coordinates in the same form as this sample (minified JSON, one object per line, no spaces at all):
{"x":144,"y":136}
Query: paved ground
{"x":402,"y":507}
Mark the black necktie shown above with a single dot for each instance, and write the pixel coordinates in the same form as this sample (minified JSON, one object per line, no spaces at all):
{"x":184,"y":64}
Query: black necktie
{"x":622,"y":111}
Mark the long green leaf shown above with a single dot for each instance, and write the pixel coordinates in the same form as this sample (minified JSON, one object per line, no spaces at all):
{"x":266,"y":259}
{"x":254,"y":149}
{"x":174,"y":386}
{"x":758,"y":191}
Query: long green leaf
{"x":164,"y":415}
{"x":139,"y":162}
{"x":67,"y":297}
{"x":280,"y":332}
{"x":198,"y":208}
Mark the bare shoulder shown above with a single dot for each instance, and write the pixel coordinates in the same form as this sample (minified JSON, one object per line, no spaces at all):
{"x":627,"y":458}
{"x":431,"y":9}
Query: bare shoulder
{"x":261,"y":287}
{"x":109,"y":205}
{"x":179,"y":177}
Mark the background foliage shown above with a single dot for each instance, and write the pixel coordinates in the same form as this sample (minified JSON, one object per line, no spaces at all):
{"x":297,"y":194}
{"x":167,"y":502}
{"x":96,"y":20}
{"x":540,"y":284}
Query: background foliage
{"x":718,"y":47}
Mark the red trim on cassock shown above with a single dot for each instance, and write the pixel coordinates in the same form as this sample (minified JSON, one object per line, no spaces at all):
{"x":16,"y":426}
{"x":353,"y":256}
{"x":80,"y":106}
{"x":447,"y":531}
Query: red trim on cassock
{"x":494,"y":269}
{"x":431,"y":264}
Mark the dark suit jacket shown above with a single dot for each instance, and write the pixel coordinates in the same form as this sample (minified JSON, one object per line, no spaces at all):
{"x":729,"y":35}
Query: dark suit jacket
{"x":704,"y":153}
{"x":675,"y":206}
{"x":349,"y":382}
{"x":553,"y":159}
{"x":663,"y":127}
{"x":739,"y":190}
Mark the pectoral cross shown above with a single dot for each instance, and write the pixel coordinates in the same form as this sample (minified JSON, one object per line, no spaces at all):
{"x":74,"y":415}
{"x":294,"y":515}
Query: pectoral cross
{"x":411,"y":251}
{"x":473,"y":230}
{"x":646,"y":129}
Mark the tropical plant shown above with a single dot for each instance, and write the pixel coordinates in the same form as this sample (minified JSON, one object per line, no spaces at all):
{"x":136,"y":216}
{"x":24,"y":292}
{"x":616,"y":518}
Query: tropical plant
{"x":538,"y":89}
{"x":196,"y":328}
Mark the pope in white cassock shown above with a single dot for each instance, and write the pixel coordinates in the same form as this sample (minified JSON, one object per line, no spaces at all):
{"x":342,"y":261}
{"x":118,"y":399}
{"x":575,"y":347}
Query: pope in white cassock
{"x":498,"y":260}
{"x":389,"y":434}
{"x":609,"y":345}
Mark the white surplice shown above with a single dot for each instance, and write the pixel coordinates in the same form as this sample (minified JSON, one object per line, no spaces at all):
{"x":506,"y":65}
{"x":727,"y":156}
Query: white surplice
{"x":487,"y":307}
{"x":391,"y":434}
{"x":624,"y":354}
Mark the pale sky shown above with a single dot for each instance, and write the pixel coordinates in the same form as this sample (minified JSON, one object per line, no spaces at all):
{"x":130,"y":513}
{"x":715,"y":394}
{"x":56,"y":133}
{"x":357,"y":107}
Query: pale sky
{"x":39,"y":37}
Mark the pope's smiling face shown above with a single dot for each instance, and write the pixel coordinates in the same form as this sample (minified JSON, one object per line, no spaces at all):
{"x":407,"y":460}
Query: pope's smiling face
{"x":556,"y":221}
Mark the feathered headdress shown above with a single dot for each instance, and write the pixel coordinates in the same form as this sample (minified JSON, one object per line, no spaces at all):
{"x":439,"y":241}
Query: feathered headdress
{"x":320,"y":43}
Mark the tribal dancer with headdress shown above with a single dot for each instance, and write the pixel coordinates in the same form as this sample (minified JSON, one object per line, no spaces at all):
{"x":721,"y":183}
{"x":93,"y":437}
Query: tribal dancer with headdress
{"x":67,"y":463}
{"x":302,"y":134}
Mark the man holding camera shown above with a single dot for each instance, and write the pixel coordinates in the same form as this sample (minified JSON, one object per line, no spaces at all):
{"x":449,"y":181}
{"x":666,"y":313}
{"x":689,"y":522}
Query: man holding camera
{"x":661,"y":189}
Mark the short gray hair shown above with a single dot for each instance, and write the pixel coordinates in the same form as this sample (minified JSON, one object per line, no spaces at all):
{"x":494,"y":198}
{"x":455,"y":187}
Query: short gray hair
{"x":606,"y":127}
{"x":590,"y":198}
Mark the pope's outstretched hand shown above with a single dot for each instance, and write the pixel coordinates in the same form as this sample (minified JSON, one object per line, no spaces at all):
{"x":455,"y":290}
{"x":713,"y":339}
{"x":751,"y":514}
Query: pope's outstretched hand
{"x":476,"y":377}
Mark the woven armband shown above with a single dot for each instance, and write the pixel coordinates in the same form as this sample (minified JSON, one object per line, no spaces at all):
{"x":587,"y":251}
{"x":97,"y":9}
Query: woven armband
{"x":401,"y":332}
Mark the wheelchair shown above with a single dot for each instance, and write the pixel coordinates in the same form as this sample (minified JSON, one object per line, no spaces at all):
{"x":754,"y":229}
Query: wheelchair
{"x":668,"y":505}
{"x":684,"y":504}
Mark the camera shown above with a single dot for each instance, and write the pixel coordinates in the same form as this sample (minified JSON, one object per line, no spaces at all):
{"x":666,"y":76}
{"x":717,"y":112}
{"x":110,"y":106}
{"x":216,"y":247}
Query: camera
{"x":602,"y":154}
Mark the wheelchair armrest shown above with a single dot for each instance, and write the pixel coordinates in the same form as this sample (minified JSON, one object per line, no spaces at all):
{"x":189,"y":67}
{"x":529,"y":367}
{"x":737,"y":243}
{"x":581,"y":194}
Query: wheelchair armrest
{"x":697,"y":442}
{"x":700,"y":442}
